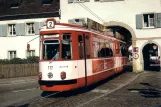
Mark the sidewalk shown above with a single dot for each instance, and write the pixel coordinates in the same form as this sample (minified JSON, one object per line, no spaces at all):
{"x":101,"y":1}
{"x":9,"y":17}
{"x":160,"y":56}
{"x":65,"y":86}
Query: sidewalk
{"x":18,"y":80}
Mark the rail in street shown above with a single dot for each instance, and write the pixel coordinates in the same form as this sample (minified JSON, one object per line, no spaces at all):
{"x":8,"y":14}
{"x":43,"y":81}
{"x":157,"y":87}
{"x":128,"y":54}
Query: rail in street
{"x":127,"y":89}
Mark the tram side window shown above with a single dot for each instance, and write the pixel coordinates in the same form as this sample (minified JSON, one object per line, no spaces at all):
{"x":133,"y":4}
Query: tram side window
{"x":80,"y":46}
{"x":87,"y":47}
{"x":123,"y":50}
{"x":66,"y":46}
{"x":105,"y":49}
{"x":101,"y":52}
{"x":95,"y":47}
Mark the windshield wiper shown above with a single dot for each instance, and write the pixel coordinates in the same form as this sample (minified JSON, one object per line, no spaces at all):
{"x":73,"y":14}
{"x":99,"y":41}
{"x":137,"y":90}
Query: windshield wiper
{"x":56,"y":57}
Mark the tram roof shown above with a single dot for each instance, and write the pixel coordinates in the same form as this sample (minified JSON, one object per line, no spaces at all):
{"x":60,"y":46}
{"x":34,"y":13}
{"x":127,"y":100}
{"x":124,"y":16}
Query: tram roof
{"x":74,"y":27}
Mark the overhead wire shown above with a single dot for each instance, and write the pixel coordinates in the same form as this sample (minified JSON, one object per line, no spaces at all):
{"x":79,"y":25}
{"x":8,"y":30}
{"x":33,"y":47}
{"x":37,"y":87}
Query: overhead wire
{"x":89,"y":10}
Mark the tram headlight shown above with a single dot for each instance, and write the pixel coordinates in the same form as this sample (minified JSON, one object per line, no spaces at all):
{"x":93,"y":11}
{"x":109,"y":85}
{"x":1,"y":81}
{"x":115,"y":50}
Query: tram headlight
{"x":50,"y":75}
{"x":40,"y":75}
{"x":63,"y":75}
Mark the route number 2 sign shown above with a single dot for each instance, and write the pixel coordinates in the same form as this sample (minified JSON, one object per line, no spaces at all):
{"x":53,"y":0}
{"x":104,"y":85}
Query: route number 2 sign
{"x":50,"y":24}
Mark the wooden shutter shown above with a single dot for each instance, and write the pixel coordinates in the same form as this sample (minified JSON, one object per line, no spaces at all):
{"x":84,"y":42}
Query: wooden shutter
{"x":86,"y":0}
{"x":70,"y":1}
{"x":3,"y":30}
{"x":36,"y":27}
{"x":20,"y":29}
{"x":17,"y":29}
{"x":139,"y":21}
{"x":71,"y":21}
{"x":41,"y":24}
{"x":158,"y":20}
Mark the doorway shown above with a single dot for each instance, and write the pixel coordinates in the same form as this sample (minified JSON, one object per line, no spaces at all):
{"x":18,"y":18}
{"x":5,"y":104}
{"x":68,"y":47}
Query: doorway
{"x":151,"y":57}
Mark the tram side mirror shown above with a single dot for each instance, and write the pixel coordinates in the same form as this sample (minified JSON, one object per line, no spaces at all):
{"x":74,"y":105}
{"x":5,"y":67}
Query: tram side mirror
{"x":28,"y":47}
{"x":80,"y":38}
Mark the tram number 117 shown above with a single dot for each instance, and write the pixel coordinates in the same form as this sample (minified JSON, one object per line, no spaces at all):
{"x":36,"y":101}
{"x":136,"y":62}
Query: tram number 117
{"x":50,"y":67}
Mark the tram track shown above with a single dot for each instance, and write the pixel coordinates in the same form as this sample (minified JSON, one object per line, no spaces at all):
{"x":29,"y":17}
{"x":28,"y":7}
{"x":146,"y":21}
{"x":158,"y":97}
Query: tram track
{"x":77,"y":98}
{"x":37,"y":101}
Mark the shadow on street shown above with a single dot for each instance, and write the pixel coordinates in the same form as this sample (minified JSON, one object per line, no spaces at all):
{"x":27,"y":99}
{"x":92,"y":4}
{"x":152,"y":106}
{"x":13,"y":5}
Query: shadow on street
{"x":149,"y":92}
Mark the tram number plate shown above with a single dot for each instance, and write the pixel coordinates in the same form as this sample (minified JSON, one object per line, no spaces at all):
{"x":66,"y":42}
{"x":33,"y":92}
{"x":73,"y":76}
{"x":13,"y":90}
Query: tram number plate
{"x":50,"y":67}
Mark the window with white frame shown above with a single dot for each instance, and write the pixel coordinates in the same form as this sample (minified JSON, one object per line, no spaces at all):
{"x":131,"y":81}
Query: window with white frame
{"x":15,"y":3}
{"x":30,"y":28}
{"x":48,"y":2}
{"x":76,"y":1}
{"x":11,"y":30}
{"x":148,"y":20}
{"x":30,"y":53}
{"x":11,"y":54}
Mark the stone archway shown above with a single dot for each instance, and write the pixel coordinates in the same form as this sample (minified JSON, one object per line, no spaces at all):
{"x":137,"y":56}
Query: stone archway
{"x":114,"y":23}
{"x":131,"y":35}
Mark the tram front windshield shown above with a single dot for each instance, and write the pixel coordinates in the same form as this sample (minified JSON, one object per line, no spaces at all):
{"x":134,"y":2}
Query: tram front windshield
{"x":51,"y":49}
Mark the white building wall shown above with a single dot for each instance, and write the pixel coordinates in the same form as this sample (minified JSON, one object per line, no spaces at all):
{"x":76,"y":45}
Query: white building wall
{"x":19,"y":43}
{"x":118,"y":11}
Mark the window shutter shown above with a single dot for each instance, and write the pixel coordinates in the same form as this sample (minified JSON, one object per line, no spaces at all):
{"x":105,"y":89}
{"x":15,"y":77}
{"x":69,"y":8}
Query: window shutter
{"x":3,"y":30}
{"x":17,"y":29}
{"x":20,"y":29}
{"x":71,"y":21}
{"x":158,"y":20}
{"x":0,"y":30}
{"x":36,"y":27}
{"x":86,"y":0}
{"x":70,"y":1}
{"x":139,"y":21}
{"x":41,"y":24}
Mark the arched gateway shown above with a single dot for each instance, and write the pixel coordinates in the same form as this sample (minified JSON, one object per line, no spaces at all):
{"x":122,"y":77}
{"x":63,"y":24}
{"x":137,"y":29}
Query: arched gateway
{"x":151,"y":57}
{"x":126,"y":31}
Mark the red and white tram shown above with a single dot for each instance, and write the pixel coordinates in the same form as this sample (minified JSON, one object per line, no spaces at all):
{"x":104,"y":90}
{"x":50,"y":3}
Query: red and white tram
{"x":72,"y":56}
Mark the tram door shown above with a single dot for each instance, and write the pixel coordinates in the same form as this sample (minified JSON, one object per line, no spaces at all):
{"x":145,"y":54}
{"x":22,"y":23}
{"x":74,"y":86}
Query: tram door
{"x":83,"y":55}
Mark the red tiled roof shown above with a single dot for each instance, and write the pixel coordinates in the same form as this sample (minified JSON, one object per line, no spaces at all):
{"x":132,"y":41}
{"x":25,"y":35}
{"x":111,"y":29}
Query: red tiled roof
{"x":27,"y":7}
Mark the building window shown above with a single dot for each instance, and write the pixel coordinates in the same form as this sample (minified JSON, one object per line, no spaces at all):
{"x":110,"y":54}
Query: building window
{"x":30,"y":53}
{"x":11,"y":54}
{"x":76,"y":1}
{"x":148,"y":20}
{"x":48,"y":2}
{"x":151,"y":20}
{"x":30,"y":28}
{"x":16,"y":3}
{"x":11,"y":30}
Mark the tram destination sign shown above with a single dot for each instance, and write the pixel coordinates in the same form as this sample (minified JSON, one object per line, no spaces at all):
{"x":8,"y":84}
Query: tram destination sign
{"x":52,"y":35}
{"x":91,"y":24}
